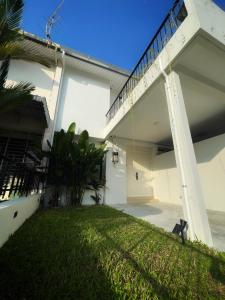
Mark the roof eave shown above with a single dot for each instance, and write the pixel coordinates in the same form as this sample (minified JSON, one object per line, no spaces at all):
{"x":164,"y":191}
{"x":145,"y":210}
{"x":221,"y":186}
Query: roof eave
{"x":75,"y":55}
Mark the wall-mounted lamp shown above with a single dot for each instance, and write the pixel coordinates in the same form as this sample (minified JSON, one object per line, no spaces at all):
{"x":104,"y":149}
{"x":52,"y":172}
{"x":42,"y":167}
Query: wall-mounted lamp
{"x":115,"y":157}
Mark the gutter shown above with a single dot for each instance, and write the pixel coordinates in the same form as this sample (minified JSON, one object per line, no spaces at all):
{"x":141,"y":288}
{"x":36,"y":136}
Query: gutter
{"x":68,"y":53}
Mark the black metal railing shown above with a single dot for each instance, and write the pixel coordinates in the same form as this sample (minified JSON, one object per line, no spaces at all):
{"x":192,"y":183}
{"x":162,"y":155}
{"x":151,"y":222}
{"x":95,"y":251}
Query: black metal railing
{"x":20,"y":178}
{"x":169,"y":26}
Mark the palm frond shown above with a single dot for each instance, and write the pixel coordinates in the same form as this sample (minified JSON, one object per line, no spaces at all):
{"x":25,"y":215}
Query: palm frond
{"x":15,"y":13}
{"x":11,"y":37}
{"x":16,"y":95}
{"x":7,"y":36}
{"x":4,"y":72}
{"x":11,"y":13}
{"x":25,"y":51}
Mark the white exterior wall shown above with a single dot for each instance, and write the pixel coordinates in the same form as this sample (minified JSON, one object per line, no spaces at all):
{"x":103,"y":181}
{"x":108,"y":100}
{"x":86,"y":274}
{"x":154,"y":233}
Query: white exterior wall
{"x":24,"y":207}
{"x":210,"y":155}
{"x":116,"y":177}
{"x":85,"y":100}
{"x":139,"y":160}
{"x":46,"y":82}
{"x":40,"y":76}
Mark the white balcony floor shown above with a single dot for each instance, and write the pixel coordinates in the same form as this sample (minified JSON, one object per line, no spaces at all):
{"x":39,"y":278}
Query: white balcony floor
{"x":166,"y":215}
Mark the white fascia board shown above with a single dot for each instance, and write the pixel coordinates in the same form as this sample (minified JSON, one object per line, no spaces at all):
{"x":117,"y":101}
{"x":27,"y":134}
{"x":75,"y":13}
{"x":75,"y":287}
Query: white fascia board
{"x":76,"y":55}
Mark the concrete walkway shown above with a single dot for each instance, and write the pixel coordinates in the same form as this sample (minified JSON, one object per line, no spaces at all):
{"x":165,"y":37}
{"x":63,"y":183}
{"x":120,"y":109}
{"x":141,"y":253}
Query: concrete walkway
{"x":165,"y":215}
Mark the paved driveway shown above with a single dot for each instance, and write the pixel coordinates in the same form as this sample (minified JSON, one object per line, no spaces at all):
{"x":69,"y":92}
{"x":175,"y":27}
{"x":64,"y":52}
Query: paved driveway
{"x":165,"y":215}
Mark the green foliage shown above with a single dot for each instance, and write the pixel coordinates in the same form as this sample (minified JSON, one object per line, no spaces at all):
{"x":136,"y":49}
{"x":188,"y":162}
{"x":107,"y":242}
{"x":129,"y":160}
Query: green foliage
{"x":72,"y":128}
{"x":96,"y":185}
{"x":97,"y":198}
{"x":73,"y":162}
{"x":98,"y":253}
{"x":12,"y":41}
{"x":10,"y":19}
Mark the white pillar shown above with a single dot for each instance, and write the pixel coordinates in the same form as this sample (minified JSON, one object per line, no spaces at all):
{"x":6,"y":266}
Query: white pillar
{"x":192,"y":195}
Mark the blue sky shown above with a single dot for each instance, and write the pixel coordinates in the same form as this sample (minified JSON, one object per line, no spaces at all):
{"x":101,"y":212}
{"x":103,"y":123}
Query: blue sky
{"x":116,"y":31}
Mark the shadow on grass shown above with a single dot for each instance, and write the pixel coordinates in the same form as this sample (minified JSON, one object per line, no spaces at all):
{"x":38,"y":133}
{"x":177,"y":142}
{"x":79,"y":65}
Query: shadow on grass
{"x":54,"y":264}
{"x":157,"y":288}
{"x":201,"y":252}
{"x":109,"y":221}
{"x":63,"y":254}
{"x":217,"y":260}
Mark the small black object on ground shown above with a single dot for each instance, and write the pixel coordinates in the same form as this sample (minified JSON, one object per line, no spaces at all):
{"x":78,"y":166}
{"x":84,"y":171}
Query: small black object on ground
{"x":179,"y":230}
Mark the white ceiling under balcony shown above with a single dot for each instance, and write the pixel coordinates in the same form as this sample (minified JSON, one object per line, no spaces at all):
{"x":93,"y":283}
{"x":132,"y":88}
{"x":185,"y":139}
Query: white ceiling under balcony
{"x":148,"y":120}
{"x":202,"y":69}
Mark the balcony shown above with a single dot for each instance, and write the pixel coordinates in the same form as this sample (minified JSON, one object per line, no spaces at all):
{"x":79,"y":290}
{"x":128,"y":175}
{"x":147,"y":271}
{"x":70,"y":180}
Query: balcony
{"x":169,"y":26}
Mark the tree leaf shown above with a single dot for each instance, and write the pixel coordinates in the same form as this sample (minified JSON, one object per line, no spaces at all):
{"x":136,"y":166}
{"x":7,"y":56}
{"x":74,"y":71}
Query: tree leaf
{"x":72,"y":127}
{"x":4,"y":73}
{"x":15,"y":95}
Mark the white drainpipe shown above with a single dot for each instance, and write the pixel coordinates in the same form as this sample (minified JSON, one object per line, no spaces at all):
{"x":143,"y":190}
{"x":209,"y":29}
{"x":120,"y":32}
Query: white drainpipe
{"x":58,"y":96}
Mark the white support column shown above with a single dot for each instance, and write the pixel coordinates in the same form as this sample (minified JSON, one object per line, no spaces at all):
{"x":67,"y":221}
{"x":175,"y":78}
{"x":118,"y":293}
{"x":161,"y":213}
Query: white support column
{"x":193,"y":200}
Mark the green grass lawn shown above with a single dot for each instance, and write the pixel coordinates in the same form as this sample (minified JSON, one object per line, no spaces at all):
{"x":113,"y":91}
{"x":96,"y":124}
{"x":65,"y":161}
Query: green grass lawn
{"x":101,"y":253}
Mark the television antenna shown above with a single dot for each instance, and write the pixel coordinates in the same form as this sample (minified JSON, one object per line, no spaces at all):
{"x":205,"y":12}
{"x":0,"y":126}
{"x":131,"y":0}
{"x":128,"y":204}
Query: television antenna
{"x":52,"y":20}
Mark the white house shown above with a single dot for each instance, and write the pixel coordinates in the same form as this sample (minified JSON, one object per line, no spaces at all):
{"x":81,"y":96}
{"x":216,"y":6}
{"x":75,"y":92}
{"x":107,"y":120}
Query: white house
{"x":165,"y":119}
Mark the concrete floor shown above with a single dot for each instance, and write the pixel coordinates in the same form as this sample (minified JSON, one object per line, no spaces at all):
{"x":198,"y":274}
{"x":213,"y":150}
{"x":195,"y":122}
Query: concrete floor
{"x":165,"y":215}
